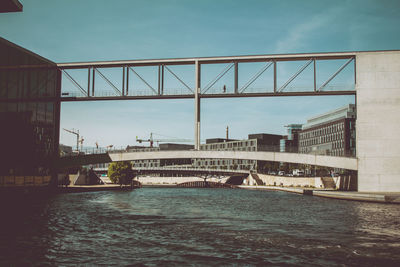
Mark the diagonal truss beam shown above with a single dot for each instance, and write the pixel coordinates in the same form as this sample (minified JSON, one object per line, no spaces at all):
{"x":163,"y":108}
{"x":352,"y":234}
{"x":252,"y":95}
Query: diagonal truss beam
{"x":143,"y":80}
{"x":176,"y":76}
{"x":255,"y":77}
{"x":295,"y":75}
{"x":108,"y":81}
{"x":74,"y":82}
{"x":219,"y":76}
{"x":336,"y":73}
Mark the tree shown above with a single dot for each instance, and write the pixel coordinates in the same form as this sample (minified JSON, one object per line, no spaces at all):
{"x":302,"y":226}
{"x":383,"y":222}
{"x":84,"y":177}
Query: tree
{"x":120,"y":172}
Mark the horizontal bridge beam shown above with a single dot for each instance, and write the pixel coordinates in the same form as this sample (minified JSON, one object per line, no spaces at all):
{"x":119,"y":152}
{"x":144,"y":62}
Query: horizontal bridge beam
{"x":206,"y":60}
{"x":316,"y":160}
{"x":189,"y":96}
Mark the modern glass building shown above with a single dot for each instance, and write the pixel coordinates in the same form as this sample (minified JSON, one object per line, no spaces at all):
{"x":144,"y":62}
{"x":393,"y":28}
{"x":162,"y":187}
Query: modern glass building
{"x":30,"y":88}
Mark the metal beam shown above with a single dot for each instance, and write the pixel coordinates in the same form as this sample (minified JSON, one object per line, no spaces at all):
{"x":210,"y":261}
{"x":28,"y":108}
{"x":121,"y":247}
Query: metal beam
{"x":88,"y":84}
{"x":190,"y":96}
{"x":109,"y":82}
{"x":176,"y":76}
{"x":255,"y":77}
{"x":93,"y":75}
{"x":77,"y":85}
{"x":295,"y":75}
{"x":143,"y":80}
{"x":123,"y":81}
{"x":236,"y":81}
{"x":216,"y":79}
{"x":197,"y":106}
{"x":127,"y":81}
{"x":315,"y":75}
{"x":208,"y":60}
{"x":334,"y":75}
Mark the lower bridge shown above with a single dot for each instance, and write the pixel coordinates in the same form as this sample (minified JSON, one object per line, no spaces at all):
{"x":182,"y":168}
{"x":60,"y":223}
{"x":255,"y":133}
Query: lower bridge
{"x":180,"y":170}
{"x":206,"y":184}
{"x":315,"y":160}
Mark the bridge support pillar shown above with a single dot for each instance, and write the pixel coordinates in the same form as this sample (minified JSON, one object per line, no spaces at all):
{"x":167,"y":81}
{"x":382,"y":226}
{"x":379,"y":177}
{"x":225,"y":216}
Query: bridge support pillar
{"x":197,"y":107}
{"x":378,"y":109}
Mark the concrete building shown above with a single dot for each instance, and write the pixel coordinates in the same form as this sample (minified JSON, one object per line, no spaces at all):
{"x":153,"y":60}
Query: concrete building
{"x":331,"y":133}
{"x":255,"y":142}
{"x":378,"y":127}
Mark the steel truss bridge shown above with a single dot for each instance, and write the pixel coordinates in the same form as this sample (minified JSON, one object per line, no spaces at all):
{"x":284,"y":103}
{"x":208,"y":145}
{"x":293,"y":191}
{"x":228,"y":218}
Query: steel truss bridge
{"x":126,"y":90}
{"x":127,"y":68}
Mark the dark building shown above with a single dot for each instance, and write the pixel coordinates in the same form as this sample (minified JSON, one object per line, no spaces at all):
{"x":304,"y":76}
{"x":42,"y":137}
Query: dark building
{"x":291,"y":142}
{"x":10,"y":6}
{"x":218,"y":140}
{"x":332,"y":133}
{"x":173,"y":146}
{"x":30,"y":87}
{"x":267,"y":142}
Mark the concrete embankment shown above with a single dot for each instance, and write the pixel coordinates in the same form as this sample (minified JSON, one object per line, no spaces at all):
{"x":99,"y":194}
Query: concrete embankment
{"x":173,"y":181}
{"x":389,"y":197}
{"x":91,"y":188}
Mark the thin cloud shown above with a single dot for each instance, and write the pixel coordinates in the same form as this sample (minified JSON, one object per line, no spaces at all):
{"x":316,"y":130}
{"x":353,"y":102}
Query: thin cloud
{"x":297,"y":37}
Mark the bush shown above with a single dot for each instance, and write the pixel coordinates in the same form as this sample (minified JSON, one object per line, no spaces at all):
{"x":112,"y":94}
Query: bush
{"x":120,"y":172}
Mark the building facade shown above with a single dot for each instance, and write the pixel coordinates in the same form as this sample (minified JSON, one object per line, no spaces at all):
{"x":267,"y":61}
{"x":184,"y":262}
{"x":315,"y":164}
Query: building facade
{"x":255,"y":142}
{"x":30,"y":87}
{"x":291,"y":142}
{"x":332,"y":133}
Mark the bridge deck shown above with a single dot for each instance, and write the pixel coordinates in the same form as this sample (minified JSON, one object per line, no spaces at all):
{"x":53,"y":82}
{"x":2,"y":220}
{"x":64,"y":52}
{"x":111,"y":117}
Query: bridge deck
{"x":316,"y":160}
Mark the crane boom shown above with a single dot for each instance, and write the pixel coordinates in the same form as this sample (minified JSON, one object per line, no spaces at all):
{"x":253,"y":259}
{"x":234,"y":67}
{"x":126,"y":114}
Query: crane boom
{"x":77,"y":137}
{"x":151,"y":140}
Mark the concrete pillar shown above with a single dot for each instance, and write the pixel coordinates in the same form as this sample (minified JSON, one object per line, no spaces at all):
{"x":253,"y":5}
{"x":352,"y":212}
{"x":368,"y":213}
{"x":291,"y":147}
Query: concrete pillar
{"x":378,"y":121}
{"x":197,"y":107}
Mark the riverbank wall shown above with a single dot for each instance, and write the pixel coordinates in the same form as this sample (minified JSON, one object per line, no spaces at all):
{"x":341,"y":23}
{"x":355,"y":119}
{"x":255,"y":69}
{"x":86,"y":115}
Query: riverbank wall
{"x":173,"y":181}
{"x":342,"y":183}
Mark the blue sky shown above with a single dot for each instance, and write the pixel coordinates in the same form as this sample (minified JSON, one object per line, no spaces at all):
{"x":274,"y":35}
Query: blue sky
{"x":70,"y":31}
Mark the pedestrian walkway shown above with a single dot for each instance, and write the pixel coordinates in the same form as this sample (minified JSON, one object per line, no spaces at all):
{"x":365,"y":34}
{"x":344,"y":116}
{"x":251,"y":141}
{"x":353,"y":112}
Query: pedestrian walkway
{"x":381,"y":197}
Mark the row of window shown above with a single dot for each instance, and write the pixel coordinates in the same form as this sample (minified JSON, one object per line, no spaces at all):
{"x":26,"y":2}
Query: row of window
{"x":323,"y":131}
{"x":232,"y":149}
{"x":322,"y":139}
{"x":239,"y":144}
{"x":223,"y":162}
{"x":28,"y":83}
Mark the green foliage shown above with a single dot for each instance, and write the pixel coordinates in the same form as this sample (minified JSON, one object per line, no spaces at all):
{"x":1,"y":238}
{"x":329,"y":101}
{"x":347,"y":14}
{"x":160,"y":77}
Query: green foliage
{"x":120,"y":172}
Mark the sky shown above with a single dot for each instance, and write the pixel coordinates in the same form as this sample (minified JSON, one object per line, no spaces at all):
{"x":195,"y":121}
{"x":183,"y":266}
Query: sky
{"x":94,"y":30}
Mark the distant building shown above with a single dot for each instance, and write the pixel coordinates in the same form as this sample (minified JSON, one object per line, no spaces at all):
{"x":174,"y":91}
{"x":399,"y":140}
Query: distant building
{"x":331,"y":133}
{"x":255,"y":142}
{"x":160,"y":162}
{"x":291,"y":143}
{"x":65,"y":150}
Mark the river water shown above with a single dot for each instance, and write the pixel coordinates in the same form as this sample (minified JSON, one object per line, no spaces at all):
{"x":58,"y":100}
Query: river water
{"x":180,"y":226}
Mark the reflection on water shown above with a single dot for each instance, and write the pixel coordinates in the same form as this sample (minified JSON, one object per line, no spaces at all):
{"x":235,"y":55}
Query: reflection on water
{"x":179,"y":226}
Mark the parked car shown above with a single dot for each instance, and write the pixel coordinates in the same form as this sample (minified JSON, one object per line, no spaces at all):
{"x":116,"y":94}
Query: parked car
{"x":281,"y":173}
{"x":297,"y":172}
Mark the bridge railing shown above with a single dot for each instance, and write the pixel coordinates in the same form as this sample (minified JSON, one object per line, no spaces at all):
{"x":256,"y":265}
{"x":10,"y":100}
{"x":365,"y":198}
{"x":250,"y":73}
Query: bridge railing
{"x":277,"y":148}
{"x":263,"y":148}
{"x":184,"y":168}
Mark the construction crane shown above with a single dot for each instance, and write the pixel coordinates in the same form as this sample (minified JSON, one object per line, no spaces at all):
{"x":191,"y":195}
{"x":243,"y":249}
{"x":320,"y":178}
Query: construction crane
{"x":151,"y":140}
{"x":77,"y":137}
